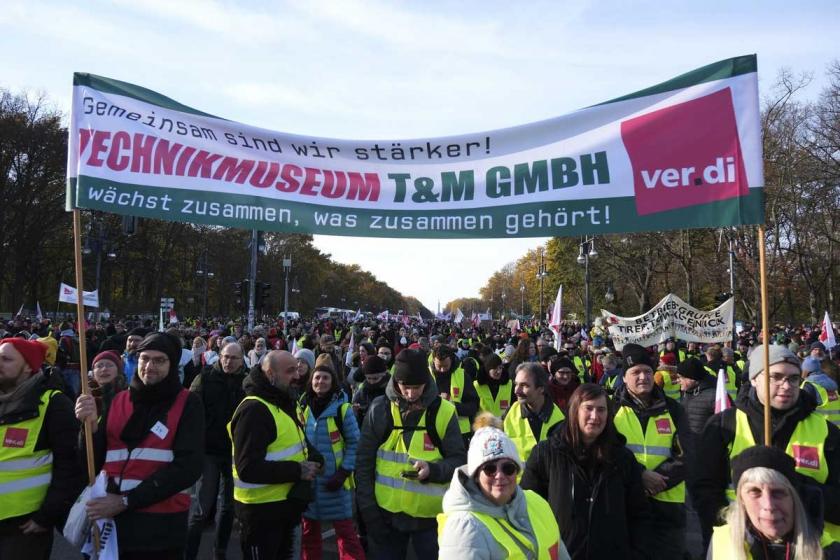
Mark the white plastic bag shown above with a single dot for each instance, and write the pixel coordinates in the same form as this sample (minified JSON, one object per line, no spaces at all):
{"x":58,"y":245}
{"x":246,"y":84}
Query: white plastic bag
{"x":78,"y":525}
{"x":107,"y":528}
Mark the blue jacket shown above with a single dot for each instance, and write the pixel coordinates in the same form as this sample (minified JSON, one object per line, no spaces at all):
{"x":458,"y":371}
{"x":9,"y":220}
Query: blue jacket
{"x":329,"y":506}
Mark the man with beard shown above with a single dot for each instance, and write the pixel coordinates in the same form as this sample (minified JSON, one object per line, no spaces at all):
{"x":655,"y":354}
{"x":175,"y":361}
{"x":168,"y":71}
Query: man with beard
{"x":454,"y":381}
{"x":129,"y":357}
{"x":652,"y":424}
{"x":150,"y":443}
{"x":408,"y":452}
{"x":274,"y":464}
{"x":39,"y":473}
{"x":220,"y":389}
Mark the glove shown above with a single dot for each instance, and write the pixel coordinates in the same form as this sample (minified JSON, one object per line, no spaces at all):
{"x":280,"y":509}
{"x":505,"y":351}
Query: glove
{"x":337,"y":480}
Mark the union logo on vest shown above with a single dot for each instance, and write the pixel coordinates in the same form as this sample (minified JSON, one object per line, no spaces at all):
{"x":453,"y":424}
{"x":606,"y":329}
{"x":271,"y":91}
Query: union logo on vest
{"x":663,"y":426}
{"x":806,"y":456}
{"x":15,"y":437}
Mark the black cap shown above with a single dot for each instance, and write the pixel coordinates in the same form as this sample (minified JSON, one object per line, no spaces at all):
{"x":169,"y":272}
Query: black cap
{"x":546,"y":352}
{"x":411,"y":368}
{"x":374,"y":365}
{"x":634,"y":355}
{"x":692,"y":368}
{"x":763,"y":456}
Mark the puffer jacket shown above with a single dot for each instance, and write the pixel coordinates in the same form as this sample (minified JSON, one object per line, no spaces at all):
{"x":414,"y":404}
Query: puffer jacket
{"x":330,"y":506}
{"x":699,"y":406}
{"x":464,"y":537}
{"x":601,"y":509}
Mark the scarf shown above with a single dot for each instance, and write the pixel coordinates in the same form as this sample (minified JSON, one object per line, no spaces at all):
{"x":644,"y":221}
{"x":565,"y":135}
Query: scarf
{"x":10,"y":402}
{"x":151,"y":405}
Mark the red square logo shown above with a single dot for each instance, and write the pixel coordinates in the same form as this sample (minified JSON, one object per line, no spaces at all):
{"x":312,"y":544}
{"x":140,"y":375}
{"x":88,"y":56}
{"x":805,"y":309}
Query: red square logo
{"x":806,"y":457}
{"x":456,"y":391}
{"x":427,"y":443}
{"x":15,"y":437}
{"x":663,"y":426}
{"x":554,"y":551}
{"x":335,"y":436}
{"x":686,"y":154}
{"x":832,"y":395}
{"x":504,"y":404}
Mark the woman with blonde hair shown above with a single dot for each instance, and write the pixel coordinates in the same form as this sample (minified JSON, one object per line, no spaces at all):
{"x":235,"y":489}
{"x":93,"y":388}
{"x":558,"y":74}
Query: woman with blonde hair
{"x":768,"y":519}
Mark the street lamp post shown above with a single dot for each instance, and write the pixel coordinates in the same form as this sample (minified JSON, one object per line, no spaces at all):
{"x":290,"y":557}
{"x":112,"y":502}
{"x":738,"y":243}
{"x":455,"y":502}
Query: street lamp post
{"x":287,"y":267}
{"x":502,"y":312}
{"x":203,"y":271}
{"x":541,"y":274}
{"x":522,"y":300}
{"x":97,"y":241}
{"x":587,"y":252}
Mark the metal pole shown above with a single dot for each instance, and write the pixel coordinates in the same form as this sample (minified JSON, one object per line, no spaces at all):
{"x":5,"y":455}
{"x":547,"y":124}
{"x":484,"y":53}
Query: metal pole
{"x":98,"y":273}
{"x":586,"y":291}
{"x":252,"y":296}
{"x":732,"y":290}
{"x":287,"y":264}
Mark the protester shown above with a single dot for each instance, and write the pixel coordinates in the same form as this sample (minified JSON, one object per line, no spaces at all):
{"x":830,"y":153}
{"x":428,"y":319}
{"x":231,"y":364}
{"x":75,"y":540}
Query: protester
{"x":220,"y":389}
{"x":40,"y":477}
{"x":455,"y":384}
{"x":592,"y":482}
{"x":822,"y":388}
{"x":331,"y":427}
{"x":150,"y":443}
{"x":107,"y":380}
{"x":563,"y":381}
{"x":376,"y":379}
{"x":493,"y":386}
{"x":402,"y":470}
{"x":767,"y":520}
{"x":486,"y":515}
{"x":274,"y":464}
{"x":796,"y":428}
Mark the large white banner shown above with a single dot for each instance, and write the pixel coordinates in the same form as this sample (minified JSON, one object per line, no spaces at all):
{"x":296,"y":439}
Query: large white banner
{"x":684,"y":153}
{"x":672,"y":318}
{"x":67,"y":294}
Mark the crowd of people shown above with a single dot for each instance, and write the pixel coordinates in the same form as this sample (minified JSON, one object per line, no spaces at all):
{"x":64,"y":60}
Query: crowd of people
{"x":475,"y":441}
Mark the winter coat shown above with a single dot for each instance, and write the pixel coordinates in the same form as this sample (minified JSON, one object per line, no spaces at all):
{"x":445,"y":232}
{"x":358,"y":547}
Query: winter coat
{"x":365,"y":395}
{"x":374,"y":434}
{"x":615,"y":524}
{"x":464,"y":537}
{"x":253,"y":430}
{"x":221,"y":393}
{"x":699,"y":406}
{"x":330,"y":506}
{"x":719,"y":433}
{"x":59,"y":434}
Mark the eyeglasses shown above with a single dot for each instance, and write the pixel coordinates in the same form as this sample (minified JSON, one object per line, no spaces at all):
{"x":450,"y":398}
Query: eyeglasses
{"x":779,"y":379}
{"x":509,"y":468}
{"x":158,"y":362}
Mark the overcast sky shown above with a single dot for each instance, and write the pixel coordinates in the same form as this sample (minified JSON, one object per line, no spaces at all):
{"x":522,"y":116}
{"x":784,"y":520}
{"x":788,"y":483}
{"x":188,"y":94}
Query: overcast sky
{"x":375,"y":69}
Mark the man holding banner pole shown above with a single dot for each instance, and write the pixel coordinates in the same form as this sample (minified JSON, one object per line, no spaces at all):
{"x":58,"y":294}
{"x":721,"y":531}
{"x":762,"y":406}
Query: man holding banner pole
{"x":795,"y":427}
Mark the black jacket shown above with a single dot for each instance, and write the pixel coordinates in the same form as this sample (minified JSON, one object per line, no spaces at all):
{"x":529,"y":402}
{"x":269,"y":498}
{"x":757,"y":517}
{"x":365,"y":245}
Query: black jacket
{"x":615,"y":523}
{"x":140,"y":531}
{"x":58,"y":434}
{"x":365,"y":394}
{"x":712,"y":480}
{"x":221,"y":393}
{"x":468,"y":407}
{"x":253,"y":430}
{"x":699,"y":406}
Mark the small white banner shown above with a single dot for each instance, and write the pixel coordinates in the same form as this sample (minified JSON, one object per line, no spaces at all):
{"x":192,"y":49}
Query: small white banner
{"x":672,"y":317}
{"x":67,"y":294}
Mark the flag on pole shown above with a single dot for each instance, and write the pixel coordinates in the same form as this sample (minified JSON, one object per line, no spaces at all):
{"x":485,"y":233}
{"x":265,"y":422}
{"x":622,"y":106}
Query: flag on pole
{"x":173,"y":318}
{"x":294,"y":348}
{"x":348,"y":359}
{"x":722,"y":401}
{"x":359,"y":315}
{"x":20,"y":311}
{"x":557,"y":318}
{"x":459,"y":316}
{"x":827,"y":334}
{"x":38,"y":315}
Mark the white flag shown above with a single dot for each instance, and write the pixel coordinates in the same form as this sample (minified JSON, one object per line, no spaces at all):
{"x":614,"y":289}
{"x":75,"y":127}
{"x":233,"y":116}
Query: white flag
{"x":294,"y":348}
{"x":722,"y":401}
{"x":557,"y":318}
{"x":459,"y":316}
{"x":827,"y":334}
{"x":67,"y":294}
{"x":173,"y":318}
{"x":348,"y":360}
{"x":38,"y":315}
{"x":20,"y":311}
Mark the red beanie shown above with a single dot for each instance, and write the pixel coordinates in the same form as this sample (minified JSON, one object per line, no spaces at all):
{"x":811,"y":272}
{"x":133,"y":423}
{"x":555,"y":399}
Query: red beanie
{"x":668,"y":359}
{"x":32,"y":351}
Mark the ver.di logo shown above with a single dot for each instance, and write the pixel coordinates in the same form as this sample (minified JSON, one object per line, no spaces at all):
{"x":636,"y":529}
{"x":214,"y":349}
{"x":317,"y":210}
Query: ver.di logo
{"x":686,"y":154}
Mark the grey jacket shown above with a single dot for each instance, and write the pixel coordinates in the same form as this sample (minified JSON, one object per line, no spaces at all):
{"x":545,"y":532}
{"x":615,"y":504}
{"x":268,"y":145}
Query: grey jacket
{"x":373,"y":435}
{"x":464,"y":537}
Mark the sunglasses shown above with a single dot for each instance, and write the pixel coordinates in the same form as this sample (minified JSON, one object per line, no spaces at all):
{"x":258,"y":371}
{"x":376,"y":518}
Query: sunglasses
{"x":508,"y":468}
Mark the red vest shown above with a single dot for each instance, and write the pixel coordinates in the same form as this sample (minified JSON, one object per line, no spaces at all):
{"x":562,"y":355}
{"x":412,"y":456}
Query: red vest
{"x":151,"y":455}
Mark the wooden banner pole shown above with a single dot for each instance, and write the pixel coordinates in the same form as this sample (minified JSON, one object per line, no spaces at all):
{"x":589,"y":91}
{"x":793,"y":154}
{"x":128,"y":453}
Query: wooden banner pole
{"x":765,"y":333}
{"x":83,"y":365}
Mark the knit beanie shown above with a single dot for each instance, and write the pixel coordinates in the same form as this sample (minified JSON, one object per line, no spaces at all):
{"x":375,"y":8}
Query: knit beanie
{"x":668,"y":359}
{"x":111,"y":356}
{"x":52,"y":349}
{"x":546,"y":352}
{"x":692,"y":368}
{"x":411,"y":368}
{"x":489,"y":444}
{"x":374,"y":365}
{"x":307,"y":356}
{"x":778,"y":354}
{"x":634,"y":355}
{"x":763,"y":456}
{"x":33,"y":352}
{"x":163,"y":342}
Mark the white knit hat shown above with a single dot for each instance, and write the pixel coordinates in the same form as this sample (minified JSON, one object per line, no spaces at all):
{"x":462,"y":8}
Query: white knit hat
{"x":489,"y":444}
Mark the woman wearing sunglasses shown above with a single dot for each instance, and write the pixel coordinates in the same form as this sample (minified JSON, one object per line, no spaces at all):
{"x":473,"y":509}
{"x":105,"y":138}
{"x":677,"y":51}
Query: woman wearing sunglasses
{"x":486,"y":516}
{"x":592,"y":482}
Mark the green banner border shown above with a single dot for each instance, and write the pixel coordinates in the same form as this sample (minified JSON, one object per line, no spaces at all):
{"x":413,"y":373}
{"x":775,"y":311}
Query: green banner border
{"x":623,"y":216}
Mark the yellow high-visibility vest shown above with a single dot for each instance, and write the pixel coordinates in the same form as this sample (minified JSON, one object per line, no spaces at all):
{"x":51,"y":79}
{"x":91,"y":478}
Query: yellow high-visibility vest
{"x":518,"y":428}
{"x":496,"y":406}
